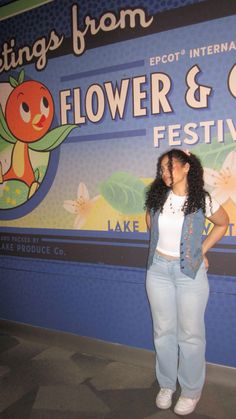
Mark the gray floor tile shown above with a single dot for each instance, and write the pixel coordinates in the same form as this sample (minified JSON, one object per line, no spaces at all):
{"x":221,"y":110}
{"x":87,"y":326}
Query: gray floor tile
{"x":218,"y":402}
{"x":10,"y":394}
{"x":90,"y":366}
{"x":7,"y":342}
{"x":22,"y":379}
{"x":120,"y":376}
{"x":130,"y":403}
{"x":46,"y":382}
{"x":20,"y":353}
{"x":70,"y":398}
{"x":56,"y":414}
{"x":22,"y":408}
{"x":4,"y":370}
{"x":165,"y":414}
{"x":57,"y":372}
{"x":55,"y":353}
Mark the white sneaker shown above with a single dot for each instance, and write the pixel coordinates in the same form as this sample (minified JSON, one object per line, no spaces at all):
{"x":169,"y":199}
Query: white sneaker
{"x":164,"y":398}
{"x":185,"y":405}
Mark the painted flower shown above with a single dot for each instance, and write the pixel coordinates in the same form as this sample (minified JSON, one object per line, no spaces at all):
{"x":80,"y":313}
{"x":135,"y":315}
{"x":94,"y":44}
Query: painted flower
{"x":81,"y":207}
{"x":224,"y":181}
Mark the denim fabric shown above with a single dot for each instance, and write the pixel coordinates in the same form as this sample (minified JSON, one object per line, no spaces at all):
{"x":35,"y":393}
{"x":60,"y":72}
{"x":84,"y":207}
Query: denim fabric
{"x":190,"y":245}
{"x":178,"y":305}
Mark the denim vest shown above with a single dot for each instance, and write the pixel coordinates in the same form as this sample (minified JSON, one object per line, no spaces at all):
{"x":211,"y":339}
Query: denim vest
{"x":190,"y":243}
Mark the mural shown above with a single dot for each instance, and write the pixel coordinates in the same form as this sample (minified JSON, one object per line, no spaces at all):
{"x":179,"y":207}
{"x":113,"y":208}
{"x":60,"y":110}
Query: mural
{"x":110,"y":92}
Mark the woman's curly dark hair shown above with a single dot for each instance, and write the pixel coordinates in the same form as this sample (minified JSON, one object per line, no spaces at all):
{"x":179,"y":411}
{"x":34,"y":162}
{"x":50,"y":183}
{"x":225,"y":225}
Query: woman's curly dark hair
{"x":158,"y":191}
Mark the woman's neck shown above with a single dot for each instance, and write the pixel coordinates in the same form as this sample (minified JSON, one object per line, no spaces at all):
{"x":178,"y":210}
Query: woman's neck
{"x":179,"y":190}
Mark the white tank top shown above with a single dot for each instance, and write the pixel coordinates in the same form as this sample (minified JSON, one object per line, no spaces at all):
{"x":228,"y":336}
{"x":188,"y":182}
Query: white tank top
{"x":170,"y":223}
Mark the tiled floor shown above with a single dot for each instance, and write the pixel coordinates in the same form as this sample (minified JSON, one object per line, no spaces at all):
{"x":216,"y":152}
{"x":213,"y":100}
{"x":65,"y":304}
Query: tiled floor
{"x":47,"y":382}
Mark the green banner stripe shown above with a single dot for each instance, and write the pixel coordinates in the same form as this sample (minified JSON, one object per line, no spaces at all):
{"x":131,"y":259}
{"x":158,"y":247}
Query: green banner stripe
{"x":20,"y":6}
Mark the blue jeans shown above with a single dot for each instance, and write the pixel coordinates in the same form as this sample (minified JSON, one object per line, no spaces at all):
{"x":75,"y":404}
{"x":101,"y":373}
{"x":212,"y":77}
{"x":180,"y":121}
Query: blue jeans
{"x":178,"y":305}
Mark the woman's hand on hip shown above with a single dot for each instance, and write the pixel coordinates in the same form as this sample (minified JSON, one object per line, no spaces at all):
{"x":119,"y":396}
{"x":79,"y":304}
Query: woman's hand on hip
{"x":206,"y":262}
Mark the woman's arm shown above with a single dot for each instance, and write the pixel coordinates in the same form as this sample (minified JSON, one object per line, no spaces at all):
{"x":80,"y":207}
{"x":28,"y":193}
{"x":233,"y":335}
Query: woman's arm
{"x":220,"y":220}
{"x":148,"y":219}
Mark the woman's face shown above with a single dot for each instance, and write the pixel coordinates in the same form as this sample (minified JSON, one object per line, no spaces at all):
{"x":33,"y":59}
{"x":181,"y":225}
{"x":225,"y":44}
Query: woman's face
{"x":179,"y":172}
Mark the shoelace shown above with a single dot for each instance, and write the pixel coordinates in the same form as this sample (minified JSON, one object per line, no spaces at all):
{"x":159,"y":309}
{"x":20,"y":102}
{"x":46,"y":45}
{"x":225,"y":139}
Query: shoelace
{"x":165,"y":392}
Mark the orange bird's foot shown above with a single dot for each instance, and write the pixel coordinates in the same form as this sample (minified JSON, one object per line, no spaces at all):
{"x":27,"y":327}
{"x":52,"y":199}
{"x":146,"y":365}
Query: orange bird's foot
{"x":33,"y":188}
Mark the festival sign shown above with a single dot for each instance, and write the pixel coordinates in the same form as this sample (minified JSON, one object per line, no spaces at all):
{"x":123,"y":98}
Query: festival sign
{"x":83,"y":119}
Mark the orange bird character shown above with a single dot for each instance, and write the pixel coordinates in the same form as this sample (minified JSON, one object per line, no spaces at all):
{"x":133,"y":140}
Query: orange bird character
{"x":28,"y":116}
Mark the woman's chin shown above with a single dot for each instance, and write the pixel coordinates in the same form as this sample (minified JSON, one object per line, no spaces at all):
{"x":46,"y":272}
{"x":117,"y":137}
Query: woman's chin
{"x":167,"y":183}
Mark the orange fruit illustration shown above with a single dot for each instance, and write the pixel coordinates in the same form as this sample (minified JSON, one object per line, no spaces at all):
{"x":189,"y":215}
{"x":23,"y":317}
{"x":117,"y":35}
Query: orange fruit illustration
{"x":29,"y":111}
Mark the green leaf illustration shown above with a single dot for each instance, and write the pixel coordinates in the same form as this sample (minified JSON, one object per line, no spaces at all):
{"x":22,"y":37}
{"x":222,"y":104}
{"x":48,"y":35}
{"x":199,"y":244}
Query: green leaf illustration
{"x":41,"y":173}
{"x":13,"y":82}
{"x":21,"y":76}
{"x":5,"y":133}
{"x":53,"y":138}
{"x":36,"y":175}
{"x":4,"y":145}
{"x":213,"y":155}
{"x":124,"y":192}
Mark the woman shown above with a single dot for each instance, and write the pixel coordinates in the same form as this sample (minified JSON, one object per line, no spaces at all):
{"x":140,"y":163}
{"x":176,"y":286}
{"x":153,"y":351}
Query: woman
{"x":177,"y":284}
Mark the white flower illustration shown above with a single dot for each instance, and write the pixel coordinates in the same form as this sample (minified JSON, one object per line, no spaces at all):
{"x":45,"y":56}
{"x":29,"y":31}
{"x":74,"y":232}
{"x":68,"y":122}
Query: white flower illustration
{"x":224,"y":181}
{"x":81,"y":207}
